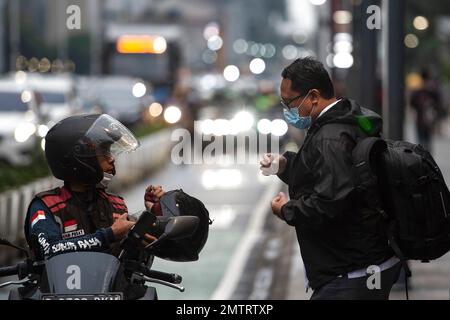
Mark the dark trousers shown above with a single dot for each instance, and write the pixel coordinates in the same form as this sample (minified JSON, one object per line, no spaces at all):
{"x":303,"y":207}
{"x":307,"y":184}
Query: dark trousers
{"x":424,"y":135}
{"x":344,"y":288}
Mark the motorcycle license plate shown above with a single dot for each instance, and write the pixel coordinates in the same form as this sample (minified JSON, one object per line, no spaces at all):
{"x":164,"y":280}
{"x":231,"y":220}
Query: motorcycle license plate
{"x":97,"y":296}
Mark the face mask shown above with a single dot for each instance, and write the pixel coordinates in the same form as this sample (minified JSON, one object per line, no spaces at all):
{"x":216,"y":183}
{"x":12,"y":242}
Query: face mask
{"x":107,"y":177}
{"x":292,"y":117}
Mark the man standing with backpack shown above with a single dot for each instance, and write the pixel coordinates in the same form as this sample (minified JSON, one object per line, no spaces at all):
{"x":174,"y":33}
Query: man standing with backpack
{"x":341,"y":235}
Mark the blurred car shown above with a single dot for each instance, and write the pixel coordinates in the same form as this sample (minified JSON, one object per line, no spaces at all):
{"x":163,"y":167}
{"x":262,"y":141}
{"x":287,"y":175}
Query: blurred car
{"x":88,"y":94}
{"x":124,"y":98}
{"x":19,"y":121}
{"x":56,"y":96}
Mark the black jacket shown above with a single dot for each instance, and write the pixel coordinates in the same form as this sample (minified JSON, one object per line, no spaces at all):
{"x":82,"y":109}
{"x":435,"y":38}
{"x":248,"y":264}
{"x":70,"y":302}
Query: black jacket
{"x":336,"y":232}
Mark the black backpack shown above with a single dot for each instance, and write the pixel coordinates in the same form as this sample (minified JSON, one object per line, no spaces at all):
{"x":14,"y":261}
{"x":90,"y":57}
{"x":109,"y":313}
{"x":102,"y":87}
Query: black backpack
{"x":403,"y":183}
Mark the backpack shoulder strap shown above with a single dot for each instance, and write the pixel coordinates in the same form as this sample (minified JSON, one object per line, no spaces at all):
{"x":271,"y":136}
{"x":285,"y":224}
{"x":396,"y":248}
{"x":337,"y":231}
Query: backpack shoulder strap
{"x":364,"y":157}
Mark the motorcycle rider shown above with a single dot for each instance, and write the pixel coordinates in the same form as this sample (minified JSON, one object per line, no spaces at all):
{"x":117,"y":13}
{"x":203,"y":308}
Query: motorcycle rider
{"x":81,"y":215}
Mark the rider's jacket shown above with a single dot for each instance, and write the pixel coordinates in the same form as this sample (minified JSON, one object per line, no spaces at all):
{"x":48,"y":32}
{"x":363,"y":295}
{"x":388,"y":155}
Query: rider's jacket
{"x":61,"y":220}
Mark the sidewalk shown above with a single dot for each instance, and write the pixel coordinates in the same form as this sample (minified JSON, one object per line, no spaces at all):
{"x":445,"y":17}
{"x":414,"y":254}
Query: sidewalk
{"x":429,"y":281}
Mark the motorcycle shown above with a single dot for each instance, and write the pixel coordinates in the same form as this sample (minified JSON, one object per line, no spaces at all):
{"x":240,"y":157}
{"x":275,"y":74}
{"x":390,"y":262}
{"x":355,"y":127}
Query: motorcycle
{"x":89,"y":275}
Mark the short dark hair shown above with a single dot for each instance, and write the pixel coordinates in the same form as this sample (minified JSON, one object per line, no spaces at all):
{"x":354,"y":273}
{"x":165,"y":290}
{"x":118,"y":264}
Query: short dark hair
{"x":307,"y":74}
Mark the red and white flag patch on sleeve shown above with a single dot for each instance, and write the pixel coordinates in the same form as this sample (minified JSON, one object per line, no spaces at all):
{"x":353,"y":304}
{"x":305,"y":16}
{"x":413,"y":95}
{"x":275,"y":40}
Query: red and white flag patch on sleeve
{"x":39,"y":215}
{"x":70,"y":225}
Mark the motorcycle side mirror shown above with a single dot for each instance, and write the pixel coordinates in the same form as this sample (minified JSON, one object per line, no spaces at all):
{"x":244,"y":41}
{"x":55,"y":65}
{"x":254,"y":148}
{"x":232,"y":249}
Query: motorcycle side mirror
{"x":9,"y":244}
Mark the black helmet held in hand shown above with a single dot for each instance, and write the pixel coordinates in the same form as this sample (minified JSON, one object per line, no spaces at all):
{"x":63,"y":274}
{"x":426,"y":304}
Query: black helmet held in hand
{"x":178,"y":203}
{"x":73,"y":144}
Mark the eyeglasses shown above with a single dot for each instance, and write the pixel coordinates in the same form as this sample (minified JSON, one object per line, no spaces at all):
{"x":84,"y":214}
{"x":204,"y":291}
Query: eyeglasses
{"x":286,"y":104}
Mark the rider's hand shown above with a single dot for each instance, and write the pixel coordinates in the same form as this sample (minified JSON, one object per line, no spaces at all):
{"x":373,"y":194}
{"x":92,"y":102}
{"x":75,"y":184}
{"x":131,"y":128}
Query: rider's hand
{"x":121,"y":226}
{"x":152,"y":196}
{"x":148,"y":239}
{"x":272,"y":164}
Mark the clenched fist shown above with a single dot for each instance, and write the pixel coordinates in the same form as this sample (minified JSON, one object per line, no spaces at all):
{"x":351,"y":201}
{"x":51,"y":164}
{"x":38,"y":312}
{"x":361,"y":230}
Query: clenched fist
{"x":152,"y":196}
{"x":272,"y":164}
{"x":277,"y":203}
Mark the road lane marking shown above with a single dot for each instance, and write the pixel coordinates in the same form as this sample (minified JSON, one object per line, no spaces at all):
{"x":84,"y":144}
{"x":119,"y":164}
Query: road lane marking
{"x":254,"y":230}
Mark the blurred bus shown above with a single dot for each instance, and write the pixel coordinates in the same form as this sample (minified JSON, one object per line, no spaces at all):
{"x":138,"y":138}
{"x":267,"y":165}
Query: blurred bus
{"x":149,"y":52}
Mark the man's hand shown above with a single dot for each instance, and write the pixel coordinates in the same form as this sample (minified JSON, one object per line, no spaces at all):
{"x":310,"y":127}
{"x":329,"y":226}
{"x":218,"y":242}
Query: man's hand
{"x":152,"y":195}
{"x":272,"y":164}
{"x":121,"y":226}
{"x":277,"y":203}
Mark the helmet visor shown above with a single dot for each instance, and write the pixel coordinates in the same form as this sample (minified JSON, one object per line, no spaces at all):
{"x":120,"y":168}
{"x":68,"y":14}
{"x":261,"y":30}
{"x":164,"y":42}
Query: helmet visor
{"x":106,"y":136}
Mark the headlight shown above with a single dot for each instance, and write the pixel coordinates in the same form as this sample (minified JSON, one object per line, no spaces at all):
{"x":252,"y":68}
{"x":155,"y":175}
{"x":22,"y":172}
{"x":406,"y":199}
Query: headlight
{"x":279,"y":127}
{"x":139,"y":90}
{"x":242,"y":121}
{"x":24,"y":131}
{"x":221,"y":127}
{"x":207,"y":127}
{"x":231,"y":73}
{"x":155,"y":109}
{"x":221,"y":179}
{"x":264,"y":126}
{"x":172,"y":114}
{"x":25,"y":96}
{"x":42,"y":130}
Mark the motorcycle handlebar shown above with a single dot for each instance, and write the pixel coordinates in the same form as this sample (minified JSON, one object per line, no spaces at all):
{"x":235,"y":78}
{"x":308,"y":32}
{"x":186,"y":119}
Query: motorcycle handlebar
{"x":9,"y":271}
{"x":168,"y":277}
